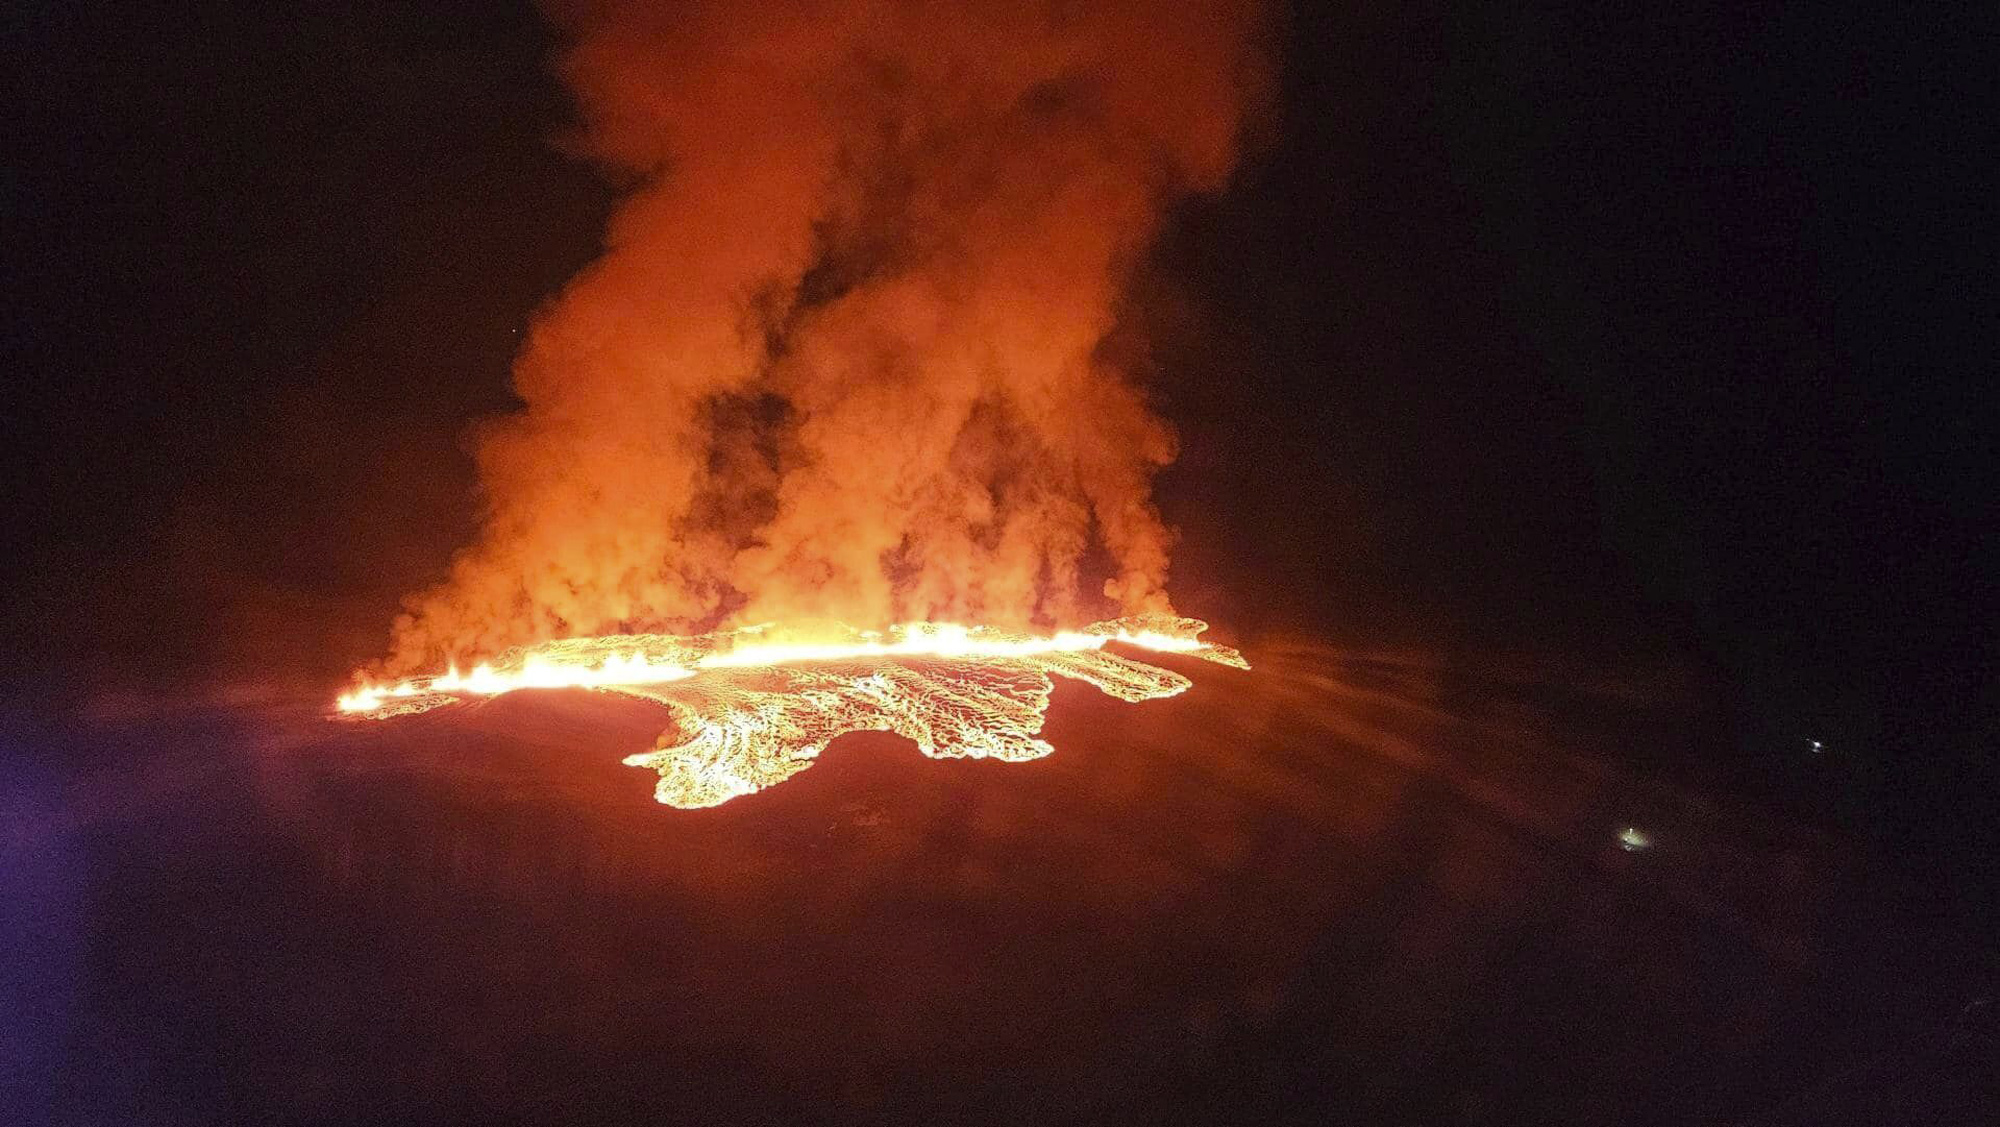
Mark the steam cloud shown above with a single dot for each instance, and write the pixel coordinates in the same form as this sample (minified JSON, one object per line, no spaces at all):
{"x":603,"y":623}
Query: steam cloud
{"x":845,"y":352}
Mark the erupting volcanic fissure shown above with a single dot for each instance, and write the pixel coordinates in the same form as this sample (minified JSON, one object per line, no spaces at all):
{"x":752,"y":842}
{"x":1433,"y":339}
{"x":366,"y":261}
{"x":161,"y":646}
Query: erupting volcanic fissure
{"x":859,"y":349}
{"x":760,"y":709}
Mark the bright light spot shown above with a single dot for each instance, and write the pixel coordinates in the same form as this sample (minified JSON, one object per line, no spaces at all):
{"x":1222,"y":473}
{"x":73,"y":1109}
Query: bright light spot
{"x":1632,"y":839}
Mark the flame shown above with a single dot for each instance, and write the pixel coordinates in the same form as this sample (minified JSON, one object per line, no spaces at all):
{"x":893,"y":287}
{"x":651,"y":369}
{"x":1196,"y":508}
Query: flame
{"x":763,"y":709}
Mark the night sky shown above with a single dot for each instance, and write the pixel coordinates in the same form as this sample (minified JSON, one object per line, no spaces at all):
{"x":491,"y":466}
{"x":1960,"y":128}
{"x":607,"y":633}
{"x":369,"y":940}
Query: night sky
{"x":1664,"y":338}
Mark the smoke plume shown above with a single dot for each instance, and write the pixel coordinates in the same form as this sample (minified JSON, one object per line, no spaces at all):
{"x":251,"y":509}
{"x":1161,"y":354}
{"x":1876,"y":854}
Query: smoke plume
{"x":844,"y":354}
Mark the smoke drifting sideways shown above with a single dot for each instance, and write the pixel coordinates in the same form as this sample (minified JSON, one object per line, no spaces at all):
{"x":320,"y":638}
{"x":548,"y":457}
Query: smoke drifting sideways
{"x":849,"y":352}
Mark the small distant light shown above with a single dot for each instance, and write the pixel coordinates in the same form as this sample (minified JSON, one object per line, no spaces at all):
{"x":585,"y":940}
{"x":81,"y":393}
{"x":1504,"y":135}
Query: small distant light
{"x":1632,"y":839}
{"x":1817,"y":746}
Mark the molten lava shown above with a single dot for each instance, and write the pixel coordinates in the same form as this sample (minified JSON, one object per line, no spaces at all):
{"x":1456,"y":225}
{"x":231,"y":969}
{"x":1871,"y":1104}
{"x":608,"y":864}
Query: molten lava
{"x":752,"y":707}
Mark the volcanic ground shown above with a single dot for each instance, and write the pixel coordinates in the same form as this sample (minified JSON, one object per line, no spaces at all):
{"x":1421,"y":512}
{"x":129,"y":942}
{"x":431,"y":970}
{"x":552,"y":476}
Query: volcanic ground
{"x":1373,"y":886}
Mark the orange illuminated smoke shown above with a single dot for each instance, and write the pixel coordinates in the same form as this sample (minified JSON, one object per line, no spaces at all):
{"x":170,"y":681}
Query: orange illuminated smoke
{"x":754,"y":707}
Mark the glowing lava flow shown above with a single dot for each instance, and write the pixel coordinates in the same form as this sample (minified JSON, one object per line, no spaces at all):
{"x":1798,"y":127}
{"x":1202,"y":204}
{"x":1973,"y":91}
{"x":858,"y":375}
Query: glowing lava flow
{"x":758,"y":709}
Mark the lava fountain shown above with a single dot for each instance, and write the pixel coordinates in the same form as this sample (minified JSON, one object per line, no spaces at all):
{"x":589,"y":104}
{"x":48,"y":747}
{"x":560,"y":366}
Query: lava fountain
{"x":749,"y":710}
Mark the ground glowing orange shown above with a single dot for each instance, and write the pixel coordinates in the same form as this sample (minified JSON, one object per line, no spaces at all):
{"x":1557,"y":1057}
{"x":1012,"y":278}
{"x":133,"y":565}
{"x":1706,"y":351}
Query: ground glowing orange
{"x":753,"y":707}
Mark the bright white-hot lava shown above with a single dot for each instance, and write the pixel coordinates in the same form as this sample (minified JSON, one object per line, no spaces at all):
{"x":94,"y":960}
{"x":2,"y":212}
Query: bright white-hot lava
{"x":753,"y":707}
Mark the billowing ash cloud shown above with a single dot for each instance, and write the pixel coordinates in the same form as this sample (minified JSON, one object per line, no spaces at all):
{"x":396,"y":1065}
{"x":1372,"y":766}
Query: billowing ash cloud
{"x":844,"y":355}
